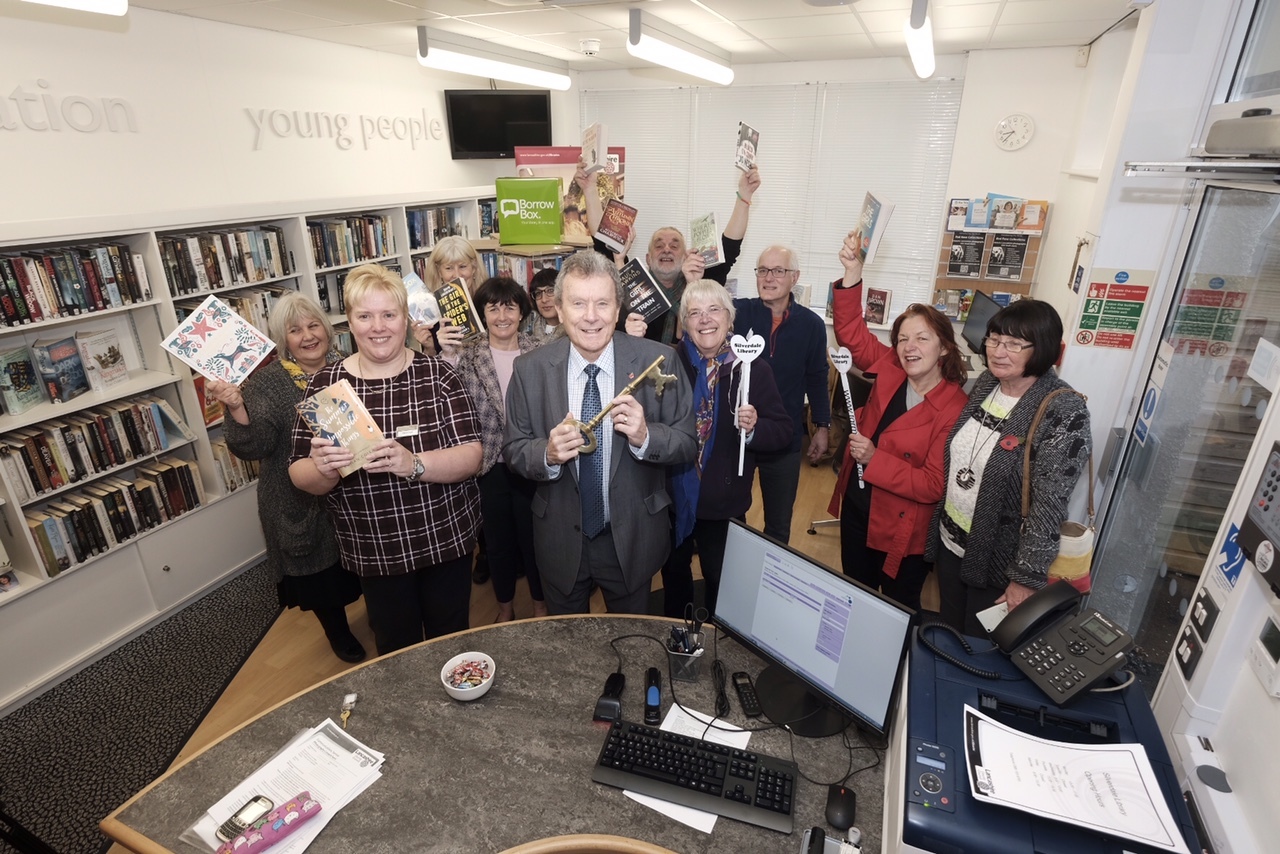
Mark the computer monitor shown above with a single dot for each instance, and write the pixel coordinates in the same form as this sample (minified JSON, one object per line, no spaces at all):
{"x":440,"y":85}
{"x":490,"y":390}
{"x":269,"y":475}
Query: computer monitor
{"x":834,"y":647}
{"x":981,"y":310}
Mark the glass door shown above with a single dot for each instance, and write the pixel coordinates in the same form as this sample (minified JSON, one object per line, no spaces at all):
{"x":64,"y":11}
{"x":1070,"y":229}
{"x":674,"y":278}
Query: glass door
{"x":1178,"y":473}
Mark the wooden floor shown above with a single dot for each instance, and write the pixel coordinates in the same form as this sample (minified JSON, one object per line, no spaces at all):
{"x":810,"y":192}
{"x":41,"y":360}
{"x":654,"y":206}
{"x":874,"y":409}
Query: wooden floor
{"x":294,"y":654}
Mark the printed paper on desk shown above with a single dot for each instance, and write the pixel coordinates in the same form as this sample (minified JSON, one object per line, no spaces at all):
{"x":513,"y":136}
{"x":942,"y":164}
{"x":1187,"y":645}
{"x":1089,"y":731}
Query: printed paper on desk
{"x":218,"y":343}
{"x":1107,"y":788}
{"x":694,"y":725}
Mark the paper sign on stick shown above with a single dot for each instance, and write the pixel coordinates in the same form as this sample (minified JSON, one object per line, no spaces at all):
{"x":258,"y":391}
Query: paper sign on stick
{"x":746,"y":349}
{"x":843,"y":361}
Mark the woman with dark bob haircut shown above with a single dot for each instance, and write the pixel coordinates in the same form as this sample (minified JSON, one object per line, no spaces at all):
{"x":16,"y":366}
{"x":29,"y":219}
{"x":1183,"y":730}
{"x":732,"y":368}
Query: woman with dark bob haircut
{"x":486,"y":364}
{"x":902,"y":434}
{"x":984,"y":553}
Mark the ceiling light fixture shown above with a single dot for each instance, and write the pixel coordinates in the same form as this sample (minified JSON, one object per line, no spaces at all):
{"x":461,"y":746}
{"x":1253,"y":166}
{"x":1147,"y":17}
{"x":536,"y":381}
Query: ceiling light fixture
{"x":919,"y":34}
{"x":663,"y":44}
{"x":102,"y":7}
{"x":460,"y":55}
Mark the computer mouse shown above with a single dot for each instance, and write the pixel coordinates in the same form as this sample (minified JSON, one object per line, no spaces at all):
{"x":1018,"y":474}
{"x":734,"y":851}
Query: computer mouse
{"x":841,"y":805}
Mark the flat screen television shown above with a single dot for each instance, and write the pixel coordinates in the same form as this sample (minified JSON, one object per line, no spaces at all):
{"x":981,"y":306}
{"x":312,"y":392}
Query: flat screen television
{"x":981,"y":310}
{"x":488,"y":124}
{"x":834,"y":647}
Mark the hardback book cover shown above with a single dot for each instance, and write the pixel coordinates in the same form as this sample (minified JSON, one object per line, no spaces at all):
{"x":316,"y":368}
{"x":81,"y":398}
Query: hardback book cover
{"x":704,"y":238}
{"x":457,"y":309}
{"x":20,"y":388}
{"x":616,"y":224}
{"x":218,"y":343}
{"x":877,"y":310}
{"x":423,"y":306}
{"x":872,"y":223}
{"x":57,"y":360}
{"x":748,"y":145}
{"x":641,"y":294}
{"x":595,"y":149}
{"x":211,"y":408}
{"x":102,"y":358}
{"x":338,"y":414}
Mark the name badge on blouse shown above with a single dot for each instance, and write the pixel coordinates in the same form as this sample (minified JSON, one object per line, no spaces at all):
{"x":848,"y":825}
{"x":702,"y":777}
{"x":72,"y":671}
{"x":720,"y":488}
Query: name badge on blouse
{"x":407,"y":430}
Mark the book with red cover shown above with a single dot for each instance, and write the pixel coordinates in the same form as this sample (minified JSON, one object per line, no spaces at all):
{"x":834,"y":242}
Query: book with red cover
{"x":616,"y":224}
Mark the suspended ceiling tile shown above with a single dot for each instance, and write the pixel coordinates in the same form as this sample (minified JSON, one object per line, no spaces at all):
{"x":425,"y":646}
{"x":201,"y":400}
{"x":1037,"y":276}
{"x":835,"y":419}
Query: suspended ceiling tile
{"x":782,"y":28}
{"x":263,"y":17}
{"x":347,"y":11}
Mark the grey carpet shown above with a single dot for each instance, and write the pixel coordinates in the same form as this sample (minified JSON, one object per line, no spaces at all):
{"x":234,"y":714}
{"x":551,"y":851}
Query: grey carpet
{"x":83,"y":748}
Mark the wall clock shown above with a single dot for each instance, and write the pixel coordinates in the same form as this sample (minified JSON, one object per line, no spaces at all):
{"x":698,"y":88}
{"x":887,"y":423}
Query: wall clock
{"x":1014,"y":131}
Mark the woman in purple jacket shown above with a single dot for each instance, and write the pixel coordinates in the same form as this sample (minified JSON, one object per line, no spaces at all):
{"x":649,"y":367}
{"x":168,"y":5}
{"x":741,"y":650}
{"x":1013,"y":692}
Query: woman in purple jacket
{"x":708,"y":492}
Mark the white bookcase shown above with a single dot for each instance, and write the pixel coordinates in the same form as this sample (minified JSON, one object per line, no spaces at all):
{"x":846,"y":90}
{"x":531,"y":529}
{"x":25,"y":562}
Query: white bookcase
{"x":52,"y":626}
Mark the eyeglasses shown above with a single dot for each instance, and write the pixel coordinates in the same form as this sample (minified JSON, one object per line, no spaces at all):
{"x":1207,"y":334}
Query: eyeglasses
{"x":775,"y":272}
{"x":1009,"y":345}
{"x":539,"y":293}
{"x":716,"y":311}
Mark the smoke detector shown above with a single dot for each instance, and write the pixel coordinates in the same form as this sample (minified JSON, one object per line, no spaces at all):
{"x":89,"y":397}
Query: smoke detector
{"x":589,"y":47}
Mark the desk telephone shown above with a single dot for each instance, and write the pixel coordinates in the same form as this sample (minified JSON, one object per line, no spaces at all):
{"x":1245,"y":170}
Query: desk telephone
{"x":1062,"y":649}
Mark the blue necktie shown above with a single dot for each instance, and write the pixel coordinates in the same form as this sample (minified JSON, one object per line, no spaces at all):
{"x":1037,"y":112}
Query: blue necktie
{"x":591,"y":466}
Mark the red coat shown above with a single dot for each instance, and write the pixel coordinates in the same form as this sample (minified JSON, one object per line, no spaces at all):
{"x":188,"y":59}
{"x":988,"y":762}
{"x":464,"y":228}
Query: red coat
{"x":907,"y":468}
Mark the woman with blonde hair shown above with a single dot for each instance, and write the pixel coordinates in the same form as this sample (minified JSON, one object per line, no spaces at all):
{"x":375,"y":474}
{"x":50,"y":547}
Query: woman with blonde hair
{"x":452,"y":258}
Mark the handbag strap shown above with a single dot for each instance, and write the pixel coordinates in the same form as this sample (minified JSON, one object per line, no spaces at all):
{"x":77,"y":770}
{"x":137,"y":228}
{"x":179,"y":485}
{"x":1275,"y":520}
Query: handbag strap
{"x":1026,"y":454}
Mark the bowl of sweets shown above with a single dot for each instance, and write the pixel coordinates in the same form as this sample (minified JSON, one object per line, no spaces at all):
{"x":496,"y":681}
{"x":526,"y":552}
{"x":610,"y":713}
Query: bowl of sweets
{"x":468,"y":676}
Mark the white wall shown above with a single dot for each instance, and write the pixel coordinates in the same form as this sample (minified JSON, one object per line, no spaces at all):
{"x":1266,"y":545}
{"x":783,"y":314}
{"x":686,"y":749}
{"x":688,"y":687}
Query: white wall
{"x":193,"y":89}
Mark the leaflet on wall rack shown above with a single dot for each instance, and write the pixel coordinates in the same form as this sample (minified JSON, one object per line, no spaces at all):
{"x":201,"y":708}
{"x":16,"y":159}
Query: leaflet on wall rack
{"x":324,"y":760}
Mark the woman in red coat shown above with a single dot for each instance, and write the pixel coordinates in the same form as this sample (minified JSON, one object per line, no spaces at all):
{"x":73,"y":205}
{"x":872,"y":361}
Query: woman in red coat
{"x":902,"y":435}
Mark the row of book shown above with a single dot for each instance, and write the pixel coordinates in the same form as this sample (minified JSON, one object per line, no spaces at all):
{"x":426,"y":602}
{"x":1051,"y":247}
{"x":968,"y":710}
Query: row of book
{"x":522,"y":268}
{"x":330,"y":286}
{"x":82,"y":524}
{"x":234,"y":471}
{"x":253,"y":304}
{"x":956,"y":302}
{"x":49,"y":456}
{"x":198,"y":263}
{"x":489,"y":260}
{"x":351,"y":239}
{"x":53,"y":283}
{"x":60,"y":368}
{"x":427,"y":226}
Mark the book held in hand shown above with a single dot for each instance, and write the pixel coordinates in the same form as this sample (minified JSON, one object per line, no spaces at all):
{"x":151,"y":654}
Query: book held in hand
{"x":616,"y":224}
{"x":218,"y":343}
{"x":748,"y":144}
{"x":641,"y":294}
{"x":457,"y":309}
{"x":595,"y":149}
{"x":878,"y":305}
{"x":57,"y":360}
{"x":20,"y":388}
{"x":871,"y":225}
{"x":423,"y":307}
{"x":338,"y":414}
{"x":103,"y":360}
{"x":704,"y":238}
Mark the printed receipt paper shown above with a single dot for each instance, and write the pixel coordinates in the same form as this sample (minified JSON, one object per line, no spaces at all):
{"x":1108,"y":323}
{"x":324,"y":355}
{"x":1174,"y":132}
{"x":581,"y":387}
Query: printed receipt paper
{"x":1109,"y":788}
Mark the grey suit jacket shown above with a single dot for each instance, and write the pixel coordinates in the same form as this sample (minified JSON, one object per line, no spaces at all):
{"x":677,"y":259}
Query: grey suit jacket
{"x":537,"y":400}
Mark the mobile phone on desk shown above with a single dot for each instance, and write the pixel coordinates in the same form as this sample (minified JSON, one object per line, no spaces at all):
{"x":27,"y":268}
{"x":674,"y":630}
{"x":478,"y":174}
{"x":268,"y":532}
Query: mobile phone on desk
{"x":816,"y":841}
{"x":256,"y":808}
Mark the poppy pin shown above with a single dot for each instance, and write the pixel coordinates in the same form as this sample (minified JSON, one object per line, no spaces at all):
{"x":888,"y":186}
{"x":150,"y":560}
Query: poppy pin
{"x":1010,"y":443}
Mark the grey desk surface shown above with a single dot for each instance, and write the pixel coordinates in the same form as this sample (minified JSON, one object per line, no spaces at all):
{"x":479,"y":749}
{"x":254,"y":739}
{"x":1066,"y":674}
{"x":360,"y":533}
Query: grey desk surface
{"x":510,"y":767}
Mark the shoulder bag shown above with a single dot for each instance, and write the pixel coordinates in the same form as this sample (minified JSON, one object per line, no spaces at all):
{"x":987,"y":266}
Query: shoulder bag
{"x":1075,"y":543}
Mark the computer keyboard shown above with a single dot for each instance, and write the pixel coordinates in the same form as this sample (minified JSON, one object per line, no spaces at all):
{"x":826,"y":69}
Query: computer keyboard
{"x":737,"y":784}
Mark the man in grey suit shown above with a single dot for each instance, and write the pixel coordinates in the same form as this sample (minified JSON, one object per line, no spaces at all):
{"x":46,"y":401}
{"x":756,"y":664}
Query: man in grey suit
{"x":600,"y":518}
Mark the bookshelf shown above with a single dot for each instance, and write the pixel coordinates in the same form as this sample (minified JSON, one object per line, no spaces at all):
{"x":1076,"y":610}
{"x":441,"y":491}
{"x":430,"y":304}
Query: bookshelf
{"x":55,"y":623}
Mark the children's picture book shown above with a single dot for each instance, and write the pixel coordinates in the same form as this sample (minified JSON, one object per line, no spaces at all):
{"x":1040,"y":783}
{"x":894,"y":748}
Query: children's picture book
{"x":877,"y":310}
{"x":103,"y":360}
{"x":872,"y":223}
{"x":956,"y":213}
{"x":457,"y":309}
{"x":423,"y":307}
{"x":616,"y":223}
{"x":338,"y":414}
{"x":57,"y":361}
{"x":704,"y":238}
{"x":218,"y":343}
{"x":20,"y":388}
{"x":748,"y":145}
{"x":641,"y":294}
{"x":595,"y":149}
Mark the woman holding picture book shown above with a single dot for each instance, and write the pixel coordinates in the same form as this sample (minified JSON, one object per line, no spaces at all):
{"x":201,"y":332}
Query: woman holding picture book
{"x":301,"y":548}
{"x":406,"y":518}
{"x":893,"y":471}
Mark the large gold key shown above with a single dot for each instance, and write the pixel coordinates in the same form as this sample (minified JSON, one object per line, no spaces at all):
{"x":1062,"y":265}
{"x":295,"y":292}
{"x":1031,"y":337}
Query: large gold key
{"x":588,"y":430}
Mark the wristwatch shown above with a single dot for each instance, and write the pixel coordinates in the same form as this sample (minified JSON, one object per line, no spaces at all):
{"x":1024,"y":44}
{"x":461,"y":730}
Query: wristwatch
{"x":418,"y":470}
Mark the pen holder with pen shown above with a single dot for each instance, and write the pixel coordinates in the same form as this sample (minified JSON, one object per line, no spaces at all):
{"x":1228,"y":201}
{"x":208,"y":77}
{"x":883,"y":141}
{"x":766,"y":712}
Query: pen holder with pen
{"x":684,"y":653}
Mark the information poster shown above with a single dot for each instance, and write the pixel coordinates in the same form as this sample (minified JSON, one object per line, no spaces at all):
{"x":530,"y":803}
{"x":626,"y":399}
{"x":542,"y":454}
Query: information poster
{"x":1208,"y":318}
{"x":1005,"y":261}
{"x":965,"y":260}
{"x":1113,"y":308}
